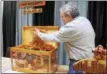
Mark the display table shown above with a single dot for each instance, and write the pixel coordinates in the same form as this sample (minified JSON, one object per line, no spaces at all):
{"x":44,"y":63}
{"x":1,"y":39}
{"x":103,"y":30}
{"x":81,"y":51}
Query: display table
{"x":6,"y":67}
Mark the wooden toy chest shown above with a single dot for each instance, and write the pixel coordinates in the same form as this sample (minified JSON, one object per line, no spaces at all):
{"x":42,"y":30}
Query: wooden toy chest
{"x":26,"y":58}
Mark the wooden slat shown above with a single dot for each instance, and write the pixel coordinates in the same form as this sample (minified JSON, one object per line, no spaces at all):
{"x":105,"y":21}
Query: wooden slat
{"x":25,"y":4}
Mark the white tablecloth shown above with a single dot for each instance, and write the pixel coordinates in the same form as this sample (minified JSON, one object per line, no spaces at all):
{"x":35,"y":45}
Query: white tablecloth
{"x":6,"y":67}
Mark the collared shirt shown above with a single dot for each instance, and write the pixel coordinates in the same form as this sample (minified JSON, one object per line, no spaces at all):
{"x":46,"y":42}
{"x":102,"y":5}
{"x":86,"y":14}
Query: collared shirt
{"x":78,"y":37}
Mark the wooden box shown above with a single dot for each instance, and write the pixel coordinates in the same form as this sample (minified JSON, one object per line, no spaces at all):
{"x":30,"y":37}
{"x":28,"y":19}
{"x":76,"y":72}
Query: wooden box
{"x":26,"y":58}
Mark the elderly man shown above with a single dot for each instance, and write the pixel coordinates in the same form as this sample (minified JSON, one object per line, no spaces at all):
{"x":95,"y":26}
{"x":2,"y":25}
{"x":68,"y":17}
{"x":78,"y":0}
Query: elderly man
{"x":77,"y":35}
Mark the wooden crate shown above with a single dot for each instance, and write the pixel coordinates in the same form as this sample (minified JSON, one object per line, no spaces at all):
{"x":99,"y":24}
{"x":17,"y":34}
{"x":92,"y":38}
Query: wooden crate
{"x":25,"y":58}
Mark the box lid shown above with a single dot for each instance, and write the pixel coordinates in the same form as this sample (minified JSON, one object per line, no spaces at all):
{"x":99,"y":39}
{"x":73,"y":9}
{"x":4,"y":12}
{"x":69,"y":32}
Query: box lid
{"x":28,"y":36}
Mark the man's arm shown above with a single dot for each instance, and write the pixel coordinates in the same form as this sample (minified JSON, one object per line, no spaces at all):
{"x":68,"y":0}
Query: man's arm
{"x":65,"y":34}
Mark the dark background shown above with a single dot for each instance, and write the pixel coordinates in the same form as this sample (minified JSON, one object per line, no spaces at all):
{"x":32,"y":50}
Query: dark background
{"x":47,"y":17}
{"x":9,"y":25}
{"x":97,"y":14}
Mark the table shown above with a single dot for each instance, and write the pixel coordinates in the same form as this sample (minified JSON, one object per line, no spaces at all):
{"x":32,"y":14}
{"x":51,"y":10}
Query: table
{"x":6,"y":67}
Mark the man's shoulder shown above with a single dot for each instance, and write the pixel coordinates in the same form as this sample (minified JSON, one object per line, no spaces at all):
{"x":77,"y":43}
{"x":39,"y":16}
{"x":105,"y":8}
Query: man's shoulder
{"x":77,"y":21}
{"x":80,"y":18}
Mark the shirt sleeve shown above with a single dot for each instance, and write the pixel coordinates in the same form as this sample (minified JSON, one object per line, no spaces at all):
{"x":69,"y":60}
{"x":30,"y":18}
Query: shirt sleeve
{"x":64,"y":34}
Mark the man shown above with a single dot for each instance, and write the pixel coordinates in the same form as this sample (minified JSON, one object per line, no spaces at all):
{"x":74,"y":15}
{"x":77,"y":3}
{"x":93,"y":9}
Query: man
{"x":77,"y":34}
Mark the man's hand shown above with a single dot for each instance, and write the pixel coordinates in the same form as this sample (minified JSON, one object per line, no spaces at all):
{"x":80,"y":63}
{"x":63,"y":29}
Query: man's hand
{"x":36,"y":39}
{"x":35,"y":31}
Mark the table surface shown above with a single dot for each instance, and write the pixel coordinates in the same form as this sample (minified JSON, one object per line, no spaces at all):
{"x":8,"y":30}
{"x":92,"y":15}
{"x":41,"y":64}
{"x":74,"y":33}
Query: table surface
{"x":6,"y":67}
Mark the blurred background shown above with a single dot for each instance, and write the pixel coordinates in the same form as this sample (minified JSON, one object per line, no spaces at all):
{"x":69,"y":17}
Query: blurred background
{"x":12,"y":19}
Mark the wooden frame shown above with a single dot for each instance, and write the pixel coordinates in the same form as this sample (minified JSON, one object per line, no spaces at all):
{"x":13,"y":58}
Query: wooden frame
{"x":25,"y":4}
{"x":30,"y":11}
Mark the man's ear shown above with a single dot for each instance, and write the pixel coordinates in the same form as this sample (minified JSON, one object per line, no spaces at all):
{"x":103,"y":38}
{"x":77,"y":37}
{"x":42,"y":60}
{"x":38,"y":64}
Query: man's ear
{"x":70,"y":17}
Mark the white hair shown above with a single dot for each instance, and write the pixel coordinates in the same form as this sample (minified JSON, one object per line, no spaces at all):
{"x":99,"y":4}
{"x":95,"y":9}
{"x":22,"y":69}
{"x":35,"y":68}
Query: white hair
{"x":70,"y":9}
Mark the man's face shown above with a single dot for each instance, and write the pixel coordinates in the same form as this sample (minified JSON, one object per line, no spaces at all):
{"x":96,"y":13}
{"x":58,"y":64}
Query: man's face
{"x":64,"y":18}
